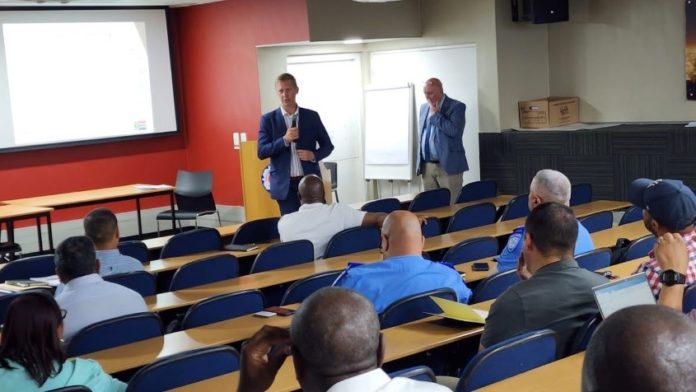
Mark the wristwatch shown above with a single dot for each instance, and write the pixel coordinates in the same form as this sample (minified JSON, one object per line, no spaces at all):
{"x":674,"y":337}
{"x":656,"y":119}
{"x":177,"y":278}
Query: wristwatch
{"x":672,"y":277}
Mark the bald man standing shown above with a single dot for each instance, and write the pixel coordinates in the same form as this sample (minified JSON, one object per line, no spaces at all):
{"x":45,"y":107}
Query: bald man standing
{"x":404,"y":271}
{"x":441,"y":158}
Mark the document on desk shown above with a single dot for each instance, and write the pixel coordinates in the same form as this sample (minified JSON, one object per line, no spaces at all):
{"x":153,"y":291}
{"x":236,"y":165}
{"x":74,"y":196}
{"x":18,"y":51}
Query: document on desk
{"x":692,"y":124}
{"x":148,"y":187}
{"x":51,"y":280}
{"x":460,"y":312}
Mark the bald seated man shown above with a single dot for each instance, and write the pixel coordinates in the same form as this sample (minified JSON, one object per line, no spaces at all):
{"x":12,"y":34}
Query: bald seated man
{"x":317,"y":221}
{"x":642,"y":348}
{"x":404,"y":271}
{"x":336,"y":346}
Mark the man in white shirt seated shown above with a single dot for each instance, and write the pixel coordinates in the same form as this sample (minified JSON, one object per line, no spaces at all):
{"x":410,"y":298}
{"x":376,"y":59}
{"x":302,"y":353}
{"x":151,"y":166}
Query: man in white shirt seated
{"x":87,"y":298}
{"x":336,"y":346}
{"x":101,"y":226}
{"x":317,"y":221}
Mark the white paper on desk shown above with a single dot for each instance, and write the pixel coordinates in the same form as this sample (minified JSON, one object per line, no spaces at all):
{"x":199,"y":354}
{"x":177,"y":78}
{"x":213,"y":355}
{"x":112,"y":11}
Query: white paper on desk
{"x":692,"y":124}
{"x":148,"y":187}
{"x":51,"y":280}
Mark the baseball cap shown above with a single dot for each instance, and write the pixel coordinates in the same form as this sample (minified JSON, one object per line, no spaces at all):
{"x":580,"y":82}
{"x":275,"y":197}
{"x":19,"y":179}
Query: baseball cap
{"x":670,"y":202}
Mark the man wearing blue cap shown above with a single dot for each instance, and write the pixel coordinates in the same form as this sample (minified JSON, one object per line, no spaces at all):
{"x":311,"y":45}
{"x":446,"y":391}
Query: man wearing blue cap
{"x":668,"y":206}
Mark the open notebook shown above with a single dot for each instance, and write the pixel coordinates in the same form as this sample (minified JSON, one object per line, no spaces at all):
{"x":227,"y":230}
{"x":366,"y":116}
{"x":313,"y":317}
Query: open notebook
{"x":619,"y":294}
{"x":461,"y":312}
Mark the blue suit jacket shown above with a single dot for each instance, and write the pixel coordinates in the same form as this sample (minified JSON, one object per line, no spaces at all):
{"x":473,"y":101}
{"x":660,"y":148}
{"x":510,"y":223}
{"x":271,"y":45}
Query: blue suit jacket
{"x":271,"y":145}
{"x":449,"y":123}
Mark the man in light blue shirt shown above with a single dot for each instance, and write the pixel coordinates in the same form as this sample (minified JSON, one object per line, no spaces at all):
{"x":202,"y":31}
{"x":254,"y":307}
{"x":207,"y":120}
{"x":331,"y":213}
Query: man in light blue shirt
{"x":101,"y":226}
{"x":404,"y":271}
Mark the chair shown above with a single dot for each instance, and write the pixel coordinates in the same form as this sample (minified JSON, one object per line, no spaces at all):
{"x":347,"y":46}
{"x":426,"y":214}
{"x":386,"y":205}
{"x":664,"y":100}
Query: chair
{"x":332,"y":167}
{"x":142,"y":282}
{"x":494,"y":285}
{"x":639,"y":248}
{"x":194,"y":198}
{"x":382,"y":205}
{"x":204,"y":271}
{"x":477,"y":190}
{"x":283,"y":254}
{"x":135,"y":249}
{"x":598,"y":221}
{"x":28,"y":267}
{"x":255,"y":231}
{"x":632,"y":214}
{"x":190,"y":242}
{"x":114,"y":332}
{"x":518,"y":207}
{"x":413,"y":307}
{"x":580,"y":194}
{"x":302,"y":289}
{"x":419,"y":373}
{"x":471,"y":249}
{"x":353,"y":240}
{"x":584,"y":334}
{"x":508,"y":358}
{"x":427,"y":200}
{"x":185,"y":368}
{"x":594,"y":259}
{"x":472,"y":216}
{"x":431,"y":227}
{"x":688,"y":304}
{"x":223,"y":307}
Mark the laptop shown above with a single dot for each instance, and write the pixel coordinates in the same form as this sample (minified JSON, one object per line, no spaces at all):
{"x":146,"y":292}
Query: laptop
{"x":631,"y":291}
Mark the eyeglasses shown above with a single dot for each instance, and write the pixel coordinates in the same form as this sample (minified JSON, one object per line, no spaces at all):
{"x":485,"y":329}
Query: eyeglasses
{"x":63,"y":312}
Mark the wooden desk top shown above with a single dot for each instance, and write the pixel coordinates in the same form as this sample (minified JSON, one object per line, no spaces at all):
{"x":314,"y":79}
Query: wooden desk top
{"x":405,"y":198}
{"x":561,"y":375}
{"x":19,"y":211}
{"x":625,"y":269}
{"x":448,"y":211}
{"x":159,"y":242}
{"x":89,"y":196}
{"x":607,"y":238}
{"x":172,"y":263}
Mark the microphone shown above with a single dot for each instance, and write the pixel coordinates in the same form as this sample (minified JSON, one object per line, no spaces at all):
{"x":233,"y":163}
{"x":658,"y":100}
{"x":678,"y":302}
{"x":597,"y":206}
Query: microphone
{"x":294,"y":122}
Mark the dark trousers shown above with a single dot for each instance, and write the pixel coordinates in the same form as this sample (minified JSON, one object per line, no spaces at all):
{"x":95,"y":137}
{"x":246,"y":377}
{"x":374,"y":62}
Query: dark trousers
{"x":292,"y":202}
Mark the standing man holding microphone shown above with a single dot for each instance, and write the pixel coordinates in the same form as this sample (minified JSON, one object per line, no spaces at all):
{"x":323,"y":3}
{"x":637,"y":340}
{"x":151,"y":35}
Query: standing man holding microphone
{"x":295,"y":140}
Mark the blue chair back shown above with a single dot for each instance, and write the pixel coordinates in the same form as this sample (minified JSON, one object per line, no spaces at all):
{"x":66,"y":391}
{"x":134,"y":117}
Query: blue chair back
{"x":382,"y":205}
{"x":28,"y":267}
{"x":142,"y":282}
{"x":518,"y":207}
{"x":135,"y":249}
{"x":477,"y":190}
{"x":689,"y":302}
{"x":632,"y":214}
{"x":283,"y":254}
{"x":185,"y":368}
{"x":594,"y":259}
{"x":598,"y":221}
{"x":114,"y":332}
{"x":584,"y":334}
{"x":223,"y":307}
{"x":494,"y":285}
{"x":418,"y":373}
{"x":302,"y":289}
{"x":472,"y":216}
{"x":427,"y":200}
{"x":471,"y":249}
{"x":353,"y":240}
{"x":255,"y":231}
{"x":190,"y":242}
{"x":580,"y":194}
{"x":508,"y":358}
{"x":414,"y":307}
{"x":431,"y":228}
{"x":639,"y":248}
{"x":204,"y":271}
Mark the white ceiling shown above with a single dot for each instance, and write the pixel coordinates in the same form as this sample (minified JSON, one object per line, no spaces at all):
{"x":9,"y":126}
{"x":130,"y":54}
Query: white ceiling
{"x":102,"y":3}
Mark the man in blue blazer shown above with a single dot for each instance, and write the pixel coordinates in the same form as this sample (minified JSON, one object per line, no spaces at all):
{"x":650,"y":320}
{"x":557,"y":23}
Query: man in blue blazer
{"x":295,"y":139}
{"x":441,"y":158}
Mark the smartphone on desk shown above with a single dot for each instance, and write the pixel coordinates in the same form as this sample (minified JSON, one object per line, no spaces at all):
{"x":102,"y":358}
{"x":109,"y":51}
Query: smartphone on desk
{"x":280,"y":311}
{"x":480,"y":267}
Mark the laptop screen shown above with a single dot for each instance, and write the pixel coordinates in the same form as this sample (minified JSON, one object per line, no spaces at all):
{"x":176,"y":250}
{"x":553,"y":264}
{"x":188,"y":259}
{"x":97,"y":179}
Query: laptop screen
{"x":614,"y":296}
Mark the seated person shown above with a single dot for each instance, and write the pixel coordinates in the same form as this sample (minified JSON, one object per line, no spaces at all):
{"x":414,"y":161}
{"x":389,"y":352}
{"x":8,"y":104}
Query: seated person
{"x":672,"y":257}
{"x":554,"y":292}
{"x":317,"y":221}
{"x":87,"y":298}
{"x":404,"y":271}
{"x":547,"y":185}
{"x":336,"y":350}
{"x":101,"y":227}
{"x":641,"y":348}
{"x":31,"y":355}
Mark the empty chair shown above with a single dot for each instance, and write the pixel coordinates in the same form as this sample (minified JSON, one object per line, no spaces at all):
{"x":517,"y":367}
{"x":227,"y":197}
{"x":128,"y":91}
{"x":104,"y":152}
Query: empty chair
{"x":598,"y":221}
{"x":477,"y":190}
{"x":141,"y":282}
{"x":494,"y":285}
{"x":580,"y":194}
{"x":508,"y":358}
{"x":194,"y":198}
{"x":471,"y":249}
{"x":114,"y":332}
{"x":639,"y":248}
{"x":223,"y":307}
{"x":431,"y":227}
{"x":283,"y":254}
{"x":632,"y":214}
{"x":427,"y":200}
{"x":472,"y":216}
{"x":382,"y":205}
{"x":353,"y":240}
{"x":204,"y":271}
{"x":185,"y":368}
{"x":414,"y":307}
{"x":420,"y":373}
{"x":302,"y":289}
{"x":135,"y":249}
{"x":594,"y":259}
{"x":190,"y":242}
{"x":255,"y":231}
{"x":28,"y":267}
{"x":518,"y":207}
{"x":689,"y":299}
{"x":584,"y":334}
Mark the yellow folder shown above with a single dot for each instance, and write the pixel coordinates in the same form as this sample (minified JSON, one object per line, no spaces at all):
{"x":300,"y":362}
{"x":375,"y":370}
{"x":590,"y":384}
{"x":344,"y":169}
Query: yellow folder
{"x":458,"y":311}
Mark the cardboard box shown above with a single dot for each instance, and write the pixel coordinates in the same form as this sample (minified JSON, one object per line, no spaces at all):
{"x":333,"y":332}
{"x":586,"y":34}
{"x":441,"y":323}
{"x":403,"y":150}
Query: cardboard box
{"x":549,"y":112}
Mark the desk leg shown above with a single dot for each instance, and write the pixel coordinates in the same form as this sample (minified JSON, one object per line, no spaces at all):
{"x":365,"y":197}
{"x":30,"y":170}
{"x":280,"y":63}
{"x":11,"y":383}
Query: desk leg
{"x":140,"y":221}
{"x":38,"y":233}
{"x":10,"y":231}
{"x":171,"y":205}
{"x":50,"y":232}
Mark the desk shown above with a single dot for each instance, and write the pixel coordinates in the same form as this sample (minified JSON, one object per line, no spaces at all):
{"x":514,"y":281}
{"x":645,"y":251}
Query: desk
{"x":607,"y":238}
{"x":173,"y":263}
{"x":10,"y":213}
{"x":159,"y":242}
{"x":625,"y":269}
{"x":448,"y":211}
{"x":403,"y":199}
{"x":561,"y":375}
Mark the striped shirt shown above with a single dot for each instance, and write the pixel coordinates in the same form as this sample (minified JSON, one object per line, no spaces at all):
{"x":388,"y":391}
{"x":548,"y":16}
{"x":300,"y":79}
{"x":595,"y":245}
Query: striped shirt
{"x":652,"y":268}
